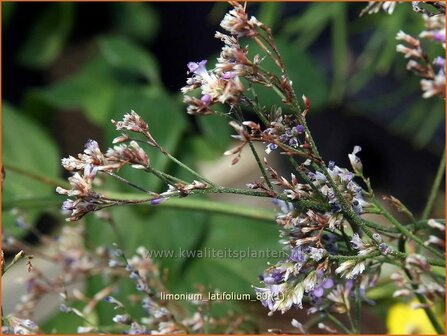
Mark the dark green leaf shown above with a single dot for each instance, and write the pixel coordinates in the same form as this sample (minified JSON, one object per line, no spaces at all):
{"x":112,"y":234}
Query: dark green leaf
{"x":269,"y":13}
{"x":340,"y":52}
{"x":91,"y":89}
{"x":315,"y":16}
{"x":202,"y":149}
{"x":26,"y":146}
{"x":127,"y":55}
{"x":216,"y":132}
{"x":137,"y":20}
{"x":233,"y":274}
{"x":49,"y":34}
{"x":157,"y":230}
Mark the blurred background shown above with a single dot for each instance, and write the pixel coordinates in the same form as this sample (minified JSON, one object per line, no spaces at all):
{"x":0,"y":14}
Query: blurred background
{"x":68,"y":68}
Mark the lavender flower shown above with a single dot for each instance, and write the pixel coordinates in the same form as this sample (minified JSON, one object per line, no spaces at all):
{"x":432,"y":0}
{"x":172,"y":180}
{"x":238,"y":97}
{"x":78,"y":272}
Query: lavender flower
{"x":122,"y":319}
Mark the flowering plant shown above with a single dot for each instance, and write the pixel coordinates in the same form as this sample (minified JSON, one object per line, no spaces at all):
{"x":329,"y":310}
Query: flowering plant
{"x":330,"y":219}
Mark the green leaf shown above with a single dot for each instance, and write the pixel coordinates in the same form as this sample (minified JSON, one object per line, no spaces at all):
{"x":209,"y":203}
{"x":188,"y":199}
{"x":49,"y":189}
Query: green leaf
{"x":48,"y":36}
{"x":27,"y":146}
{"x":137,"y":20}
{"x":8,"y":9}
{"x":434,"y":118}
{"x":92,"y":89}
{"x":216,"y":132}
{"x":233,"y":274}
{"x":339,"y":52}
{"x":124,"y":54}
{"x":62,"y":323}
{"x":316,"y":15}
{"x":157,"y":230}
{"x":166,"y":120}
{"x":269,"y":13}
{"x":201,"y":148}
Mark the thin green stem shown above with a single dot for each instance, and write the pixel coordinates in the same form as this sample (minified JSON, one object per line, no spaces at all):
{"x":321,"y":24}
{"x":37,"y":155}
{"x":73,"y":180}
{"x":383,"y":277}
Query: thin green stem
{"x":168,"y":179}
{"x":351,"y":322}
{"x":421,"y":297}
{"x":200,"y":205}
{"x":255,"y":154}
{"x":203,"y":205}
{"x":131,"y":184}
{"x":346,"y":239}
{"x":358,"y":310}
{"x":268,"y":52}
{"x":398,"y":254}
{"x":44,"y":179}
{"x":354,"y":219}
{"x":260,"y":165}
{"x":435,"y":187}
{"x":338,"y":323}
{"x":407,"y":232}
{"x":430,"y":314}
{"x":189,"y":169}
{"x":354,"y":257}
{"x":422,"y":224}
{"x":119,"y":237}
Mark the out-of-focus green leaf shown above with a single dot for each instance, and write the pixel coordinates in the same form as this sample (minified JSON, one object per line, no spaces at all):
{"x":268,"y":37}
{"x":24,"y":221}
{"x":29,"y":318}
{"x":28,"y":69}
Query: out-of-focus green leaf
{"x":421,"y":121}
{"x":7,"y":12}
{"x":202,"y":148}
{"x":233,"y":272}
{"x":339,"y":51}
{"x":136,"y":19}
{"x":269,"y":13}
{"x":169,"y":230}
{"x":308,"y":25}
{"x":91,"y":89}
{"x":127,"y":55}
{"x":48,"y":36}
{"x":391,"y":27}
{"x":218,"y":11}
{"x":25,"y":145}
{"x":434,"y":118}
{"x":379,"y":53}
{"x":62,"y":323}
{"x":216,"y":132}
{"x":166,"y":120}
{"x":157,"y":230}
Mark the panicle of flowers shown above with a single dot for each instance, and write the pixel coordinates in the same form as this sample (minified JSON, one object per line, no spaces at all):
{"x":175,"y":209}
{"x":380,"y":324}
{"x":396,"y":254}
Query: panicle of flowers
{"x":215,"y":88}
{"x":284,"y":131}
{"x":236,"y":22}
{"x":68,"y":253}
{"x":160,"y":318}
{"x":223,"y":84}
{"x":437,"y":240}
{"x":430,"y":69}
{"x":311,"y":238}
{"x":133,"y":122}
{"x":344,"y":180}
{"x":92,"y":161}
{"x":86,"y":200}
{"x":132,"y":154}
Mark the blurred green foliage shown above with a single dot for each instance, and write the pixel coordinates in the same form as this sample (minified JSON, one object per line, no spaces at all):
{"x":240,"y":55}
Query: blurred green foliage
{"x":122,"y":74}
